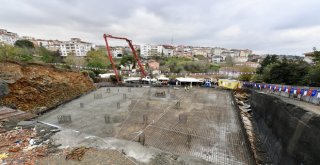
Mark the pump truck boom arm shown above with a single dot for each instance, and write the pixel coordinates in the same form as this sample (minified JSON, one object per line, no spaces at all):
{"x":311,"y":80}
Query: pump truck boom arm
{"x":136,"y":57}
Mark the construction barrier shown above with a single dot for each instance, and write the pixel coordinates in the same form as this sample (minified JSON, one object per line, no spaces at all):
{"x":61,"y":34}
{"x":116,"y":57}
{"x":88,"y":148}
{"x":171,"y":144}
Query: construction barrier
{"x":302,"y":93}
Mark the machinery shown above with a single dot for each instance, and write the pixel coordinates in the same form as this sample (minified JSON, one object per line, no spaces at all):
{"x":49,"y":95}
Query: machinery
{"x":136,"y":57}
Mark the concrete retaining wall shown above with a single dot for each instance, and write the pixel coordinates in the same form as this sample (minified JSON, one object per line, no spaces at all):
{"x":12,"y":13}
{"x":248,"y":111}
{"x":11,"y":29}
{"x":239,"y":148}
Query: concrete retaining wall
{"x":291,"y":134}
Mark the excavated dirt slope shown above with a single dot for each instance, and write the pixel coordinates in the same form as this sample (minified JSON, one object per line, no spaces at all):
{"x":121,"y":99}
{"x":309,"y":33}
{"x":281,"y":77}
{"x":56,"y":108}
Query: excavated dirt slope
{"x":35,"y":88}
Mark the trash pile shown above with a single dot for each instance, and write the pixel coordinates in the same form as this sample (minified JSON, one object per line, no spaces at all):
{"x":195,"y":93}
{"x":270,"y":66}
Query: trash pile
{"x":24,"y":145}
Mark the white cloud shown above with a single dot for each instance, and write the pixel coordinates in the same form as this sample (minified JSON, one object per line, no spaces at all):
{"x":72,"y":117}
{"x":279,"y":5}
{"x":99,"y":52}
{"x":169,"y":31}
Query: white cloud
{"x":268,"y":26}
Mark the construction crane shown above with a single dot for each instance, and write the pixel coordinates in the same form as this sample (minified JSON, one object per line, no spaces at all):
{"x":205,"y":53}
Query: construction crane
{"x":136,"y":57}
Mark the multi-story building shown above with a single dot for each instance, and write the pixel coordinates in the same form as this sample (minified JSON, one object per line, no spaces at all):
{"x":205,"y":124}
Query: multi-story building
{"x":8,"y":37}
{"x":249,"y":64}
{"x":218,"y":59}
{"x":117,"y":51}
{"x":230,"y":53}
{"x":53,"y":45}
{"x":148,"y":50}
{"x":309,"y":57}
{"x":204,"y":51}
{"x":75,"y":47}
{"x":245,"y":53}
{"x":240,"y":59}
{"x":165,"y":50}
{"x":217,"y":51}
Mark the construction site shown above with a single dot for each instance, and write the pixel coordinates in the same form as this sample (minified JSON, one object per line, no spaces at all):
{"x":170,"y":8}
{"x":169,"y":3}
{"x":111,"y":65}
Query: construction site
{"x":54,"y":114}
{"x":51,"y":114}
{"x":194,"y":123}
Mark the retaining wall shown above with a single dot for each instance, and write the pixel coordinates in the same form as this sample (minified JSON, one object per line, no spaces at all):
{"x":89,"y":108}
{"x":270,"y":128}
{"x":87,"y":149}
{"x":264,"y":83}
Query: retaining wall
{"x":290,"y":134}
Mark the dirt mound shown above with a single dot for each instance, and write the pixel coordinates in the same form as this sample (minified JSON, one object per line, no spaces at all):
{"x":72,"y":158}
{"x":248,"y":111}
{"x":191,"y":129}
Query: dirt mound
{"x":35,"y":88}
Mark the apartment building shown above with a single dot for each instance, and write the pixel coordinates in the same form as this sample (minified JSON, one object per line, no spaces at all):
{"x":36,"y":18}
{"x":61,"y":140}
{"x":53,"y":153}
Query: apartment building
{"x":117,"y":51}
{"x":75,"y":47}
{"x":165,"y":50}
{"x":204,"y":51}
{"x":8,"y":37}
{"x":245,"y":53}
{"x":148,"y":50}
{"x":53,"y":45}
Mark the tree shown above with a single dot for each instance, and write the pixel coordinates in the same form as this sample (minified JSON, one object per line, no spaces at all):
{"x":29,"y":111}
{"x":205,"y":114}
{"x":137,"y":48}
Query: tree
{"x":72,"y":59}
{"x":97,"y":59}
{"x":246,"y":77}
{"x":287,"y":72}
{"x":128,"y":59}
{"x":24,"y":44}
{"x":48,"y":56}
{"x":313,"y":76}
{"x":316,"y":53}
{"x":266,"y":61}
{"x":8,"y":52}
{"x":229,"y":61}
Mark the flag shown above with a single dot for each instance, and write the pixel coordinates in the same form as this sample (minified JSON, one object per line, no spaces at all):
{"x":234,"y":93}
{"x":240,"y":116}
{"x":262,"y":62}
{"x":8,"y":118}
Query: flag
{"x":301,"y":92}
{"x":313,"y":93}
{"x":309,"y":92}
{"x":305,"y":93}
{"x":292,"y":90}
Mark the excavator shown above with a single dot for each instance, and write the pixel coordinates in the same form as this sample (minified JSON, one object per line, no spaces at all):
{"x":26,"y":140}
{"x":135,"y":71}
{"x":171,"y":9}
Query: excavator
{"x":136,"y":57}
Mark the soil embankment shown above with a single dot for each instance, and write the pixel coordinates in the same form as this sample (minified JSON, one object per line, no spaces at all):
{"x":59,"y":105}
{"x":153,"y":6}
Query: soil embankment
{"x":35,"y":88}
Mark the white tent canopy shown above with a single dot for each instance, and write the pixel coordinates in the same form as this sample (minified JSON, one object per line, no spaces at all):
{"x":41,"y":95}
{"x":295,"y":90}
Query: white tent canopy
{"x":188,"y":80}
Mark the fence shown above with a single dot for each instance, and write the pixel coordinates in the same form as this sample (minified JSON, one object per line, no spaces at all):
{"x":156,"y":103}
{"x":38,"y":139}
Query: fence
{"x":302,"y":93}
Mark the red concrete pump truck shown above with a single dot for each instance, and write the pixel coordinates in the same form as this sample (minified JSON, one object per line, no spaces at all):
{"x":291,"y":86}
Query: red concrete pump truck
{"x":136,"y":57}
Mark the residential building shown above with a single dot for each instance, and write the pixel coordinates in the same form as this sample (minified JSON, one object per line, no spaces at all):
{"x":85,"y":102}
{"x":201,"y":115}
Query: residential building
{"x":218,"y":59}
{"x":217,"y":50}
{"x":179,"y":50}
{"x":204,"y":51}
{"x":165,"y":50}
{"x":238,"y":59}
{"x":8,"y":37}
{"x":75,"y":47}
{"x":148,"y":50}
{"x":117,"y":51}
{"x":308,"y":57}
{"x":53,"y":45}
{"x":231,"y":53}
{"x":245,"y":53}
{"x":249,"y":64}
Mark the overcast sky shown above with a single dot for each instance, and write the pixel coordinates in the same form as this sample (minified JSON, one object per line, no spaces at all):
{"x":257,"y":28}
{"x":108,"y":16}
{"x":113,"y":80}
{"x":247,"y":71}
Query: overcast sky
{"x":265,"y":26}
